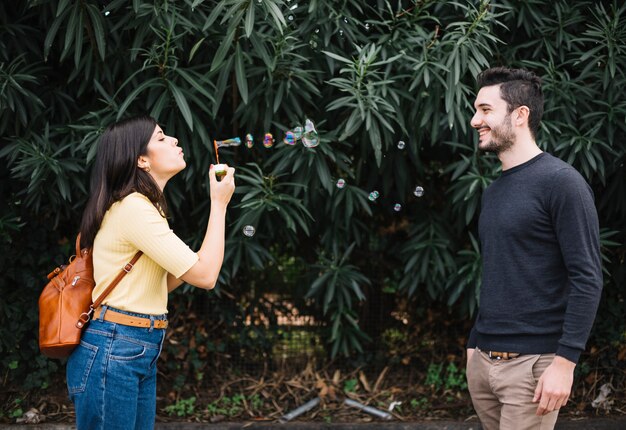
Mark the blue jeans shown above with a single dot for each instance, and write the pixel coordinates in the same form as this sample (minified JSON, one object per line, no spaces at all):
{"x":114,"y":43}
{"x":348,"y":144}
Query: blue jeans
{"x":111,"y":375}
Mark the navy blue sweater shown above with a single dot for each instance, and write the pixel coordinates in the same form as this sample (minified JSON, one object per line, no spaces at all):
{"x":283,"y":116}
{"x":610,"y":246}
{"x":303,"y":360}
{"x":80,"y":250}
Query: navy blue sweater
{"x":542,"y":273}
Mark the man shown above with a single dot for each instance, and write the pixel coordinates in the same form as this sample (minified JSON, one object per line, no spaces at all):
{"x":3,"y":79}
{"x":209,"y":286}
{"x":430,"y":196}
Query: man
{"x":541,"y":275}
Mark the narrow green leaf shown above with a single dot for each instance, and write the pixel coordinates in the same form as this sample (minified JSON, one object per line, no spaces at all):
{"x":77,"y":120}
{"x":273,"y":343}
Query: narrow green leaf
{"x":259,"y":48}
{"x":183,"y":106}
{"x":78,"y":43}
{"x":279,"y":19}
{"x":197,"y":82}
{"x":222,"y":83}
{"x":98,"y":29}
{"x":159,"y":105}
{"x":240,"y":74}
{"x":337,"y":57}
{"x":219,"y":7}
{"x":195,"y":48}
{"x":154,"y":82}
{"x":70,"y":32}
{"x":278,"y":96}
{"x":249,"y":24}
{"x":62,"y":7}
{"x":223,"y":49}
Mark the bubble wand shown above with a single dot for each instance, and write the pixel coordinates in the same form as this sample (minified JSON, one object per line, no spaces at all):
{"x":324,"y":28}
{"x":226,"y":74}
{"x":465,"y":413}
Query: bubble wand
{"x":217,"y":155}
{"x":220,"y":169}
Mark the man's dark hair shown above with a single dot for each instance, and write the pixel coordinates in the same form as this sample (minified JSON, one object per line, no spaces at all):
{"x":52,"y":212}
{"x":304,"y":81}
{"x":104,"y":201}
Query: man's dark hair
{"x":518,"y":87}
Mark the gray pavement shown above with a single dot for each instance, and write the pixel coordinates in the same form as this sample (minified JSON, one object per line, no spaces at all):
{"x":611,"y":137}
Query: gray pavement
{"x":617,"y":423}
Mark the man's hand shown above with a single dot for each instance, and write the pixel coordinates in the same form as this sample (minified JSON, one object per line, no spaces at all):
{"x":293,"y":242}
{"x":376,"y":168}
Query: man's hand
{"x":554,"y":386}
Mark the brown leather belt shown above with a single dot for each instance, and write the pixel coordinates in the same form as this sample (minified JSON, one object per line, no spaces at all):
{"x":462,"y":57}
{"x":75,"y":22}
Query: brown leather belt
{"x":495,"y":355}
{"x":129,"y":320}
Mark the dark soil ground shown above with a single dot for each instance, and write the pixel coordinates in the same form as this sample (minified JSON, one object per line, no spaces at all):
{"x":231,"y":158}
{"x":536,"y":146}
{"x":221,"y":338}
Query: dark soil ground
{"x":235,"y":397}
{"x":419,"y":376}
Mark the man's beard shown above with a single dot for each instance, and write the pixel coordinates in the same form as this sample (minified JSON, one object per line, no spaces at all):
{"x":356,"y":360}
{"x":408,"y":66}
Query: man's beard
{"x":502,"y":137}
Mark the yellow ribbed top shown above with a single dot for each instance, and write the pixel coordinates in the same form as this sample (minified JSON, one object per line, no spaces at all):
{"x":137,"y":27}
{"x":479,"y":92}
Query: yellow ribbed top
{"x":130,"y":225}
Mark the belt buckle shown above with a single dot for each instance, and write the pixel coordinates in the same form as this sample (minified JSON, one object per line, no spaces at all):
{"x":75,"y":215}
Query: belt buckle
{"x":502,"y":355}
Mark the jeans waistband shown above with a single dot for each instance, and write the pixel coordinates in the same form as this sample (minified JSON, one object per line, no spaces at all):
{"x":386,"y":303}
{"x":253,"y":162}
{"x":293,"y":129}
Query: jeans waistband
{"x":134,"y":314}
{"x":132,"y":319}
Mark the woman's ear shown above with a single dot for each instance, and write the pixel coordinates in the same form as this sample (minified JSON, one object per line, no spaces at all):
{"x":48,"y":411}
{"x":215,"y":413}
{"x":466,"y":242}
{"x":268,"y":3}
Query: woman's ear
{"x":142,"y":163}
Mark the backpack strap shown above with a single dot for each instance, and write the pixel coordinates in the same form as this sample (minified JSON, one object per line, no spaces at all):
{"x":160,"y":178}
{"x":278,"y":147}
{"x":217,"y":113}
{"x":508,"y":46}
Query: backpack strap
{"x":86,"y":316}
{"x":127,"y":268}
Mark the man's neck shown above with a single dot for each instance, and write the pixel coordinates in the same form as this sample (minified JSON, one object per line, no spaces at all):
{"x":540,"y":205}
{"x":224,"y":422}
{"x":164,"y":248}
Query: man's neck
{"x":523,"y":150}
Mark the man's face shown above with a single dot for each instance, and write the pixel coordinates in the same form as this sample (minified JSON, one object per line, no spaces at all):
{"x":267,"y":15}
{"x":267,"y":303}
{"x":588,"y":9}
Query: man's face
{"x":493,"y":121}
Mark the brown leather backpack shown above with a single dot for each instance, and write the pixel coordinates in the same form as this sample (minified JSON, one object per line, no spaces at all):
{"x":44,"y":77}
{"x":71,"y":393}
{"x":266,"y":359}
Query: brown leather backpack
{"x":65,"y":304}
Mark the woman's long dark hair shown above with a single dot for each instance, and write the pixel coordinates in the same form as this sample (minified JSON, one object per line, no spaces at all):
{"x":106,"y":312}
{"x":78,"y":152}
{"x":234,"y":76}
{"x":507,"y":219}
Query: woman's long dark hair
{"x":116,"y":174}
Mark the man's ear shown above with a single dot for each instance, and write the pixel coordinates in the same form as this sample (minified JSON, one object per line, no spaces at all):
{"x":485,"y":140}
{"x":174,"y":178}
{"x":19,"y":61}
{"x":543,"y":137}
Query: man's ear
{"x":522,"y":115}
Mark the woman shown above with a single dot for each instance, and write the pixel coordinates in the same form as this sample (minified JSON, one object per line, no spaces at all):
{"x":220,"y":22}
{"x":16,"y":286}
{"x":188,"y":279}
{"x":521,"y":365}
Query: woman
{"x":111,"y":376}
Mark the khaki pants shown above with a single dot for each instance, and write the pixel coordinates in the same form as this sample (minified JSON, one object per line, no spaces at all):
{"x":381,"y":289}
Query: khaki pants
{"x":502,"y":391}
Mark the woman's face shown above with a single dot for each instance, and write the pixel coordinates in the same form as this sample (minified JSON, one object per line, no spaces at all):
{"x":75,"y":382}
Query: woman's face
{"x":164,"y":157}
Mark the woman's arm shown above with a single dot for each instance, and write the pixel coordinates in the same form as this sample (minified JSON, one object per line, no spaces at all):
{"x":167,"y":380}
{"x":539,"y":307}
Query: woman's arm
{"x":173,"y":282}
{"x":205,"y":272}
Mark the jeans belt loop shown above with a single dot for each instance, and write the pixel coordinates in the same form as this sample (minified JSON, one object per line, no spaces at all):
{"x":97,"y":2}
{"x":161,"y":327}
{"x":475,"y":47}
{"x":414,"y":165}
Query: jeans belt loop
{"x":103,"y":310}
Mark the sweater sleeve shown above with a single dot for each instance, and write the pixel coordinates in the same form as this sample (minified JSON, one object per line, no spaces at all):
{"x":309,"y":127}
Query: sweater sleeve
{"x":575,"y":220}
{"x":147,"y":230}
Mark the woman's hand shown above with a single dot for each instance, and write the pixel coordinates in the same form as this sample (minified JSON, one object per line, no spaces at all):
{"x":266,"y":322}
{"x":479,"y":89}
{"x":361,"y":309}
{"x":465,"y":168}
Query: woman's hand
{"x":222,"y":191}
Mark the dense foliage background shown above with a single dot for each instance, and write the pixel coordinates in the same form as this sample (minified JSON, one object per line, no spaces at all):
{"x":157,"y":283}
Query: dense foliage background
{"x":369,"y":75}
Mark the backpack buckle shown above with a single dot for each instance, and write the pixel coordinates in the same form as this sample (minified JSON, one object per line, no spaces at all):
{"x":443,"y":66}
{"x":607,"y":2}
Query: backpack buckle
{"x":84,"y":318}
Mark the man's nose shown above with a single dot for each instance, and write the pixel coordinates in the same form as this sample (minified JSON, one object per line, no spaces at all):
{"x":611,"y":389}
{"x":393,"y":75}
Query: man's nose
{"x":475,"y":121}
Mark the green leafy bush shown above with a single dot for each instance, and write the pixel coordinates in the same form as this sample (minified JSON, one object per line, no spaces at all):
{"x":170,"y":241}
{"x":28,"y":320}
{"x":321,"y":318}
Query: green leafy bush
{"x":369,"y":74}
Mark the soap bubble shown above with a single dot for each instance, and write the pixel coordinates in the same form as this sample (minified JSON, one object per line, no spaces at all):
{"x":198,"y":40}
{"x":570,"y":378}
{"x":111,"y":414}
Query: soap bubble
{"x":235,"y":141}
{"x":317,"y":30}
{"x":290,"y":18}
{"x":248,"y":231}
{"x":367,"y":26}
{"x":341,"y":183}
{"x":401,"y":144}
{"x":310,"y":141}
{"x":310,"y":138}
{"x":290,"y":138}
{"x":297,"y":132}
{"x":397,"y":207}
{"x":268,"y":140}
{"x":419,"y":191}
{"x":373,"y":195}
{"x":249,"y":140}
